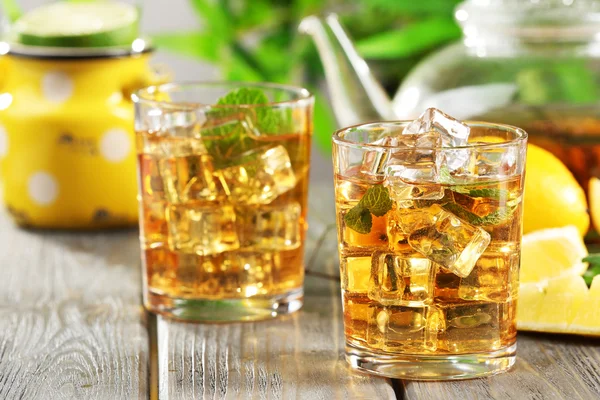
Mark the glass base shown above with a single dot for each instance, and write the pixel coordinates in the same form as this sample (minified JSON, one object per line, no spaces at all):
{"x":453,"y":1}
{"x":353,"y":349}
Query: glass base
{"x":224,"y":310}
{"x":431,"y":367}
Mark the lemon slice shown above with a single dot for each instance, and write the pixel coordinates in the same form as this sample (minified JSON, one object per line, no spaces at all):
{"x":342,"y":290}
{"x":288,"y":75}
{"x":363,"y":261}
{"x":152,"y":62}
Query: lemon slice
{"x":88,"y":24}
{"x":560,"y":305}
{"x":551,"y":253}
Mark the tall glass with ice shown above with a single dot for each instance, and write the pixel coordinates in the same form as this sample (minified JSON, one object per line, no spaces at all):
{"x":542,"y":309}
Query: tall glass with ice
{"x":223,"y":179}
{"x":429,"y":225}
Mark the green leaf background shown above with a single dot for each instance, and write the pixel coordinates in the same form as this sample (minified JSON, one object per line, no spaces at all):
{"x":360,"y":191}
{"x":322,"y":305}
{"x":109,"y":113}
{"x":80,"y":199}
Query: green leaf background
{"x":396,"y":34}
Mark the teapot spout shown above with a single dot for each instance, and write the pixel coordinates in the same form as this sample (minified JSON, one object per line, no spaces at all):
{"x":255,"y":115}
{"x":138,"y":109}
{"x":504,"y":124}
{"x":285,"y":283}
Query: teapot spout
{"x":355,"y":94}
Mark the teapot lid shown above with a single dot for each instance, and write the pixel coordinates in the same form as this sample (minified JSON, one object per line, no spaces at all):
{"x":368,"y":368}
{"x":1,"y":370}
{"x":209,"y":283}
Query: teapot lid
{"x":562,"y":20}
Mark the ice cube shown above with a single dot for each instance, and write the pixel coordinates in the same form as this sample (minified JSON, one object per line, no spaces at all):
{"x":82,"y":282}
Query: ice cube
{"x":411,"y":157}
{"x":404,"y":193}
{"x":411,"y":170}
{"x":202,"y":229}
{"x":189,"y":274}
{"x":444,"y":238}
{"x":453,"y":132}
{"x":495,"y":162}
{"x":459,"y":162}
{"x":495,"y":276}
{"x":351,"y":188}
{"x":258,"y":176}
{"x":397,"y":237}
{"x":150,"y":179}
{"x":403,"y":329}
{"x":446,"y":285}
{"x":160,"y":266}
{"x":401,"y":279}
{"x":153,"y":224}
{"x":375,"y":159}
{"x":483,"y":161}
{"x":356,"y":318}
{"x":475,"y":326}
{"x":414,"y":160}
{"x":355,"y":272}
{"x":248,"y":273}
{"x":271,"y":227}
{"x":182,"y":123}
{"x":189,"y":178}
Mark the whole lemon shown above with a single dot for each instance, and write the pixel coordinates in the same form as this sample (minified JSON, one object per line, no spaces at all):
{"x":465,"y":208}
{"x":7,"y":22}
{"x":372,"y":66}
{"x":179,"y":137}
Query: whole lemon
{"x":553,"y":198}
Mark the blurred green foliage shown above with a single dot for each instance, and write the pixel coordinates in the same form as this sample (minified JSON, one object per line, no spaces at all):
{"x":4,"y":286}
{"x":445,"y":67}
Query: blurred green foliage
{"x":257,"y":40}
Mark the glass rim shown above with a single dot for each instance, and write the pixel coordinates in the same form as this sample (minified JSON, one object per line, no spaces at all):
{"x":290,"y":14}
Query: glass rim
{"x":518,"y":140}
{"x":304,"y":96}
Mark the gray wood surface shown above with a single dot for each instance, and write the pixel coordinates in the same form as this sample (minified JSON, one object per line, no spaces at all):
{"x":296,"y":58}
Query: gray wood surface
{"x":548,"y":367}
{"x":299,"y":356}
{"x":72,"y":327}
{"x":71,"y":324}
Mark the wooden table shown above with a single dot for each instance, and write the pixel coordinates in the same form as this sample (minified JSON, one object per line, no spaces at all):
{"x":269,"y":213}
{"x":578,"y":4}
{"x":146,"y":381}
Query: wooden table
{"x":72,"y":327}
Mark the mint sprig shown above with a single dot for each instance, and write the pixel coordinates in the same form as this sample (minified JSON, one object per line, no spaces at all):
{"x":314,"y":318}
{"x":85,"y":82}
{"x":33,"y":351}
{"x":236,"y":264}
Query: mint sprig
{"x":376,"y":201}
{"x":229,"y":130}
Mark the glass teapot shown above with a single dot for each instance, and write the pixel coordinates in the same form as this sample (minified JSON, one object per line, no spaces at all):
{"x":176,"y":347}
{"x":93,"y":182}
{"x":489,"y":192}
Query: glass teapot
{"x":531,"y":63}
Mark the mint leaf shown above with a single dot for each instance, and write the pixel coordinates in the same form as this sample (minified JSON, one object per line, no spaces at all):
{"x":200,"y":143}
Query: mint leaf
{"x":377,"y":200}
{"x":444,"y":176}
{"x":591,"y":272}
{"x":267,"y":119}
{"x":243,"y":96}
{"x":490,"y":193}
{"x":492,"y":218}
{"x":593,"y":269}
{"x":359,"y":219}
{"x":227,"y":131}
{"x":593,"y":259}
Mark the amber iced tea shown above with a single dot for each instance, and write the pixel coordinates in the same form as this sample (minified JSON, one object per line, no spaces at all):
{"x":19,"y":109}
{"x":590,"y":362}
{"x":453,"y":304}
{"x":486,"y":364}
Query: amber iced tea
{"x":223,"y":207}
{"x":430,"y":287}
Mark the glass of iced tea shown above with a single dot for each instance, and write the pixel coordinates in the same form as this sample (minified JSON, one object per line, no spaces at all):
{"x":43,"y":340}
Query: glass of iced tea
{"x":429,"y":226}
{"x":223,"y":179}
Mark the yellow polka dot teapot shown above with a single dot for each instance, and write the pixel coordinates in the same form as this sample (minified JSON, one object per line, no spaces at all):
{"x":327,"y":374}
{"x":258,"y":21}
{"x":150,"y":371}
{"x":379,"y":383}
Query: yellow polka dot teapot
{"x":67,"y":146}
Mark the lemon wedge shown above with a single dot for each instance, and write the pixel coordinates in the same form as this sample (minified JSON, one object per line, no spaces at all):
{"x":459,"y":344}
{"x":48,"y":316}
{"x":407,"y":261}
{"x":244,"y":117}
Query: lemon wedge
{"x":560,"y":305}
{"x":551,"y":253}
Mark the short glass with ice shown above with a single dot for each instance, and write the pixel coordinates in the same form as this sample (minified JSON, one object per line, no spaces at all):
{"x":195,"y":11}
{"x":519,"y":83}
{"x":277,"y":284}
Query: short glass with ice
{"x":429,"y":225}
{"x":223,"y":179}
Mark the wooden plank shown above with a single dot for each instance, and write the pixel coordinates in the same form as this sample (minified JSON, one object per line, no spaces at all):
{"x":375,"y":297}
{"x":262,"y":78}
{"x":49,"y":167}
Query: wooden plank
{"x":548,"y":367}
{"x":299,"y":356}
{"x":71,"y":324}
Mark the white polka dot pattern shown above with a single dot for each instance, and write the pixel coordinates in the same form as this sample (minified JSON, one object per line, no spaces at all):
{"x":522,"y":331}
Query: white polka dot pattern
{"x":115,"y":145}
{"x":42,"y":188}
{"x":57,"y":86}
